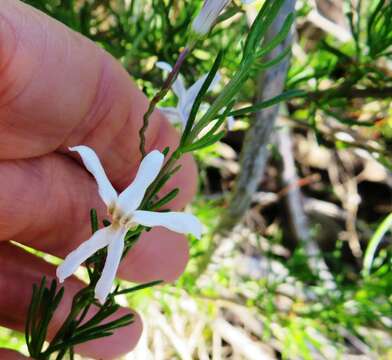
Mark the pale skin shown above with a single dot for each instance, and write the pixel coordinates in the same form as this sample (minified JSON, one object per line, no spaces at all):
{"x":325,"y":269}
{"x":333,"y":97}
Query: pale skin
{"x":57,"y":89}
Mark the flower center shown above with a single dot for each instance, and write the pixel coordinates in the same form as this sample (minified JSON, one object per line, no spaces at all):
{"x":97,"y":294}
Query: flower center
{"x":119,"y":218}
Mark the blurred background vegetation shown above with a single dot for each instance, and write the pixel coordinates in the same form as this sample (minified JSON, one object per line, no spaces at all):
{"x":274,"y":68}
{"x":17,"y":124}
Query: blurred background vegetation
{"x":327,"y":182}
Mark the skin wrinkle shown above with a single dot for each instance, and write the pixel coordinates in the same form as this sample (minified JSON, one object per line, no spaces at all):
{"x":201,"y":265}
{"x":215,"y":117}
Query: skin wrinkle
{"x":11,"y":201}
{"x":48,"y":170}
{"x":46,"y":207}
{"x":76,"y":217}
{"x":100,"y":107}
{"x":4,"y":68}
{"x":33,"y":73}
{"x":5,"y":57}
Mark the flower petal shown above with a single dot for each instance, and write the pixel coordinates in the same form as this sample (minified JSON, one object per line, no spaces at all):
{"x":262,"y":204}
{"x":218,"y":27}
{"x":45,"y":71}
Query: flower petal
{"x":178,"y":85}
{"x":172,"y":114}
{"x":164,"y":66}
{"x":130,"y":199}
{"x":176,"y":221}
{"x":208,"y":15}
{"x":195,"y":88}
{"x":184,"y":116}
{"x":115,"y":250}
{"x":77,"y":257}
{"x":230,"y":121}
{"x":94,"y":166}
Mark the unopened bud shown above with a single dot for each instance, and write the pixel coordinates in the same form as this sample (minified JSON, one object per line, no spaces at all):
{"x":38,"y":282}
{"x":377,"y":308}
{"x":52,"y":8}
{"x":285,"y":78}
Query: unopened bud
{"x":208,"y":15}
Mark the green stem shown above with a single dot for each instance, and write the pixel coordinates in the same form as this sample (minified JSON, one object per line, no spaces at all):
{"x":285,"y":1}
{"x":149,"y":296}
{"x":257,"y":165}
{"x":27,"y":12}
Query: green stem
{"x":223,"y":99}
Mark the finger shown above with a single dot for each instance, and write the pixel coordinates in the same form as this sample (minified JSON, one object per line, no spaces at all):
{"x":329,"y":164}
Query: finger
{"x":7,"y":354}
{"x":52,"y":98}
{"x":53,"y":95}
{"x":159,"y":255}
{"x":50,"y":212}
{"x":20,"y":270}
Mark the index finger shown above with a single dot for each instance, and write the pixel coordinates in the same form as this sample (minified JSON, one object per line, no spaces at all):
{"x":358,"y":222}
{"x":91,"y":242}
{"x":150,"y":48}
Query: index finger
{"x":58,"y":89}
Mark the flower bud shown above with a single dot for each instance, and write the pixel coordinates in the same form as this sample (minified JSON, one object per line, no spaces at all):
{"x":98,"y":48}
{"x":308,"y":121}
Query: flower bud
{"x":208,"y":15}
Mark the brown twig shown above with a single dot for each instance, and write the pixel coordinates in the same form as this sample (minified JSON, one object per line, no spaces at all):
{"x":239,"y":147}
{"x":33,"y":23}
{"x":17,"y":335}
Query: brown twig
{"x":159,"y":96}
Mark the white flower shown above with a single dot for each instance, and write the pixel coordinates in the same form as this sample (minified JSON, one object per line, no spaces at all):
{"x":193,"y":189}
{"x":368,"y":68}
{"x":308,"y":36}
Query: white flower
{"x":208,"y":15}
{"x":123,"y":210}
{"x":186,"y":97}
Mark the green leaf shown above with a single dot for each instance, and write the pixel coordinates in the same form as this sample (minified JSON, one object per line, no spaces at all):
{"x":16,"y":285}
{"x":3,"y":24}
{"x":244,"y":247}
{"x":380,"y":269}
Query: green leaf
{"x":285,"y":96}
{"x":199,"y":98}
{"x":166,"y":199}
{"x":137,"y":288}
{"x":166,"y":151}
{"x":204,"y":142}
{"x":382,"y":229}
{"x":279,"y":38}
{"x":94,"y":220}
{"x":221,"y":119}
{"x":268,"y":64}
{"x":263,"y":21}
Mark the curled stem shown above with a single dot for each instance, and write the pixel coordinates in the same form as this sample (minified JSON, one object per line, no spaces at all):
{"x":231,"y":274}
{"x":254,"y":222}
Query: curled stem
{"x":159,"y":96}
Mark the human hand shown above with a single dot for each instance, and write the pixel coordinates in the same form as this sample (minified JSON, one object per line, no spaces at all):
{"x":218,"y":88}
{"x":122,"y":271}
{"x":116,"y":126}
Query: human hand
{"x":57,"y":90}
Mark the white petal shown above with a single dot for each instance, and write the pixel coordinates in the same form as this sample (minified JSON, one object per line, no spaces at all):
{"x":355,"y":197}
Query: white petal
{"x":178,"y":85}
{"x":94,"y":166}
{"x":164,"y":66}
{"x":194,"y":90}
{"x":172,"y":114}
{"x":230,"y":123}
{"x":208,"y":15}
{"x":215,"y":81}
{"x":183,"y":112}
{"x":115,"y":250}
{"x":77,"y":257}
{"x":247,"y":1}
{"x":176,"y":221}
{"x":130,"y":199}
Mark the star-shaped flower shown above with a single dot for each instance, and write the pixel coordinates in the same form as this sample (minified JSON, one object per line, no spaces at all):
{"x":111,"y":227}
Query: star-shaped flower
{"x":186,"y":97}
{"x":123,"y":210}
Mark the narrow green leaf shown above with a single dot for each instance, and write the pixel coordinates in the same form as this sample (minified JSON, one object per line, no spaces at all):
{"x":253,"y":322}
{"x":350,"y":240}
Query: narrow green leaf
{"x":204,"y":142}
{"x":279,"y":38}
{"x":166,"y":151}
{"x":382,"y":229}
{"x":221,"y":119}
{"x":138,"y":287}
{"x":285,"y":96}
{"x":166,"y":199}
{"x":94,"y":220}
{"x":268,"y":64}
{"x":203,"y":90}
